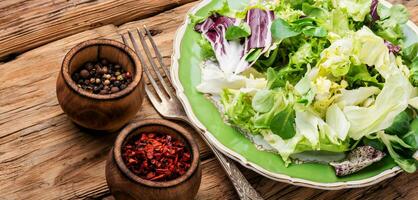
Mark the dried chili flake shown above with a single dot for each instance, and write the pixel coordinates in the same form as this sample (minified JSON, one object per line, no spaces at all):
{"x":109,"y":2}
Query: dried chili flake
{"x":156,"y":157}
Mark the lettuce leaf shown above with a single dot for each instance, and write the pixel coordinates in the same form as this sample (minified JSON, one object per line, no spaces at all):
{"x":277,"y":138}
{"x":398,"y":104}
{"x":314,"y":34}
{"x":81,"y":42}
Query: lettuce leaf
{"x":315,"y":12}
{"x":357,"y":96}
{"x":282,"y":124}
{"x":369,"y":42}
{"x":279,"y":78}
{"x":214,"y":80}
{"x":410,"y":56}
{"x":223,"y":9}
{"x":411,"y":138}
{"x":238,"y":109}
{"x":206,"y":49}
{"x":314,"y":31}
{"x":381,"y":115}
{"x":337,"y":58}
{"x":393,"y":142}
{"x":397,"y":14}
{"x":298,"y":61}
{"x":334,"y":128}
{"x":281,"y":30}
{"x":238,"y":32}
{"x":414,"y":73}
{"x":307,"y":124}
{"x":263,"y":120}
{"x":338,"y":123}
{"x":356,"y":9}
{"x":400,"y":125}
{"x":401,"y":140}
{"x":359,"y":76}
{"x":263,"y":101}
{"x":349,"y":53}
{"x":390,"y":21}
{"x":298,"y":143}
{"x":286,"y":147}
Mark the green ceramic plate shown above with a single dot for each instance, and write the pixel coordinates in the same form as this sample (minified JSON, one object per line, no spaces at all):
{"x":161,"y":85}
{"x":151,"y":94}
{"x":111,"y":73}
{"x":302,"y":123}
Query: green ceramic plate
{"x":186,"y":76}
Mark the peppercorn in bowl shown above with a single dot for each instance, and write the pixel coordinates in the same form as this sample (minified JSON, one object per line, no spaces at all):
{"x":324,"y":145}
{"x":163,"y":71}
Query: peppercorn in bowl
{"x":100,"y":85}
{"x":154,"y":159}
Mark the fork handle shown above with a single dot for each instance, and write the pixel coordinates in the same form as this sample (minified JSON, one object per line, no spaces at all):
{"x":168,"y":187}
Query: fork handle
{"x":242,"y":186}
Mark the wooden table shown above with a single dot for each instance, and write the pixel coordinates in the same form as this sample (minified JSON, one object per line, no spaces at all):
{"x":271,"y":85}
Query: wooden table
{"x":43,"y":155}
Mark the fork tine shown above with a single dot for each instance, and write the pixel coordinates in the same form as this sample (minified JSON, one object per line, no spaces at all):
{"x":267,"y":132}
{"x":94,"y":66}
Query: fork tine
{"x":124,"y":39}
{"x":154,"y":100}
{"x":153,"y":64}
{"x":141,"y":58}
{"x":157,"y":53}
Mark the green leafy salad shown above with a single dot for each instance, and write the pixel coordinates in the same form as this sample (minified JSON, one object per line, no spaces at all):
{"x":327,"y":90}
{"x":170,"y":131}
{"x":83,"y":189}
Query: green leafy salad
{"x":330,"y":81}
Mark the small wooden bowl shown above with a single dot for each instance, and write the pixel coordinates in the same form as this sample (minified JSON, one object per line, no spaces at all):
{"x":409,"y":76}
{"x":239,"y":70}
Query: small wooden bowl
{"x":125,"y":185}
{"x":94,"y":111}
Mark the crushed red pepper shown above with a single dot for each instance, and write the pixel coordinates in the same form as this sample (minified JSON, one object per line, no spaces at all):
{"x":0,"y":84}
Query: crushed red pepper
{"x":156,"y":157}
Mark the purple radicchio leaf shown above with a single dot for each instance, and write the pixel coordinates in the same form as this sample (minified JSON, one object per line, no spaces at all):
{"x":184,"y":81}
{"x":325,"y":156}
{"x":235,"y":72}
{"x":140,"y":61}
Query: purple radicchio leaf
{"x":358,"y":159}
{"x":373,"y":10}
{"x":229,"y":54}
{"x":259,"y":21}
{"x":214,"y":29}
{"x":393,"y":48}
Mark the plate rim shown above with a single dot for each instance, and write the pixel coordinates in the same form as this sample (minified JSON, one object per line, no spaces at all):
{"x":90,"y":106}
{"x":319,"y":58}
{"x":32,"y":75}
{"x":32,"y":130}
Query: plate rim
{"x":174,"y":69}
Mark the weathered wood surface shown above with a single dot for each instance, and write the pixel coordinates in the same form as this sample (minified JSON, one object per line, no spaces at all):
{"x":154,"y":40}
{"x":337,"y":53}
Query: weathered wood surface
{"x":26,"y":24}
{"x":45,"y":156}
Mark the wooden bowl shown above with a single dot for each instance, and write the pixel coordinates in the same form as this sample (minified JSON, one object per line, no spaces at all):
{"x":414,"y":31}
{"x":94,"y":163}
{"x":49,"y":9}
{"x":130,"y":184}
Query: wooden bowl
{"x":108,"y":112}
{"x":124,"y":184}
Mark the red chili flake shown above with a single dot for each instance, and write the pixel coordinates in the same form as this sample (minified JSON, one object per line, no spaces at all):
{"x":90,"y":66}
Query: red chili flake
{"x":156,"y":157}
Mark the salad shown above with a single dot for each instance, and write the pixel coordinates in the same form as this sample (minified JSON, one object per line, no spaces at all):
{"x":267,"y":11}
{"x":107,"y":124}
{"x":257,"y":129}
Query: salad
{"x":329,"y":81}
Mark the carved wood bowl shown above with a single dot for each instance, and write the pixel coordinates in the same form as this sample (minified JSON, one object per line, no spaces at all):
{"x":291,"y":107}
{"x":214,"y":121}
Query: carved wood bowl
{"x":108,"y":112}
{"x":125,"y":185}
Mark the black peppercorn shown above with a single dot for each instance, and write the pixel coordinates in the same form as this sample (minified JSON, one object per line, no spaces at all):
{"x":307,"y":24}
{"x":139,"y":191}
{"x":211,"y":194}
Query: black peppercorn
{"x":104,"y":62}
{"x":102,"y":77}
{"x":84,"y":73}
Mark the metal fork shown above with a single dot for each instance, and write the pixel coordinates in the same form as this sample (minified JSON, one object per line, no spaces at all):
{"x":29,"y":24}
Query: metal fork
{"x":168,"y":105}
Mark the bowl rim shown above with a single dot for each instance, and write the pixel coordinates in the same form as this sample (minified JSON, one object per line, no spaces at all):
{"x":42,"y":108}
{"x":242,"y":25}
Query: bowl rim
{"x":117,"y":152}
{"x":137,"y":76}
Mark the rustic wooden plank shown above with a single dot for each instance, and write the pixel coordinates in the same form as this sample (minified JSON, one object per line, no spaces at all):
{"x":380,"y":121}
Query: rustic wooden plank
{"x":44,"y":156}
{"x":26,"y":24}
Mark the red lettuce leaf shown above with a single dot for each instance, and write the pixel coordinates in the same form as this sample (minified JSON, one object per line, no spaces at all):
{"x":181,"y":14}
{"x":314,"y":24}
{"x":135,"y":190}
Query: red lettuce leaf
{"x":259,"y":21}
{"x":231,"y":55}
{"x":373,"y":10}
{"x":393,"y":48}
{"x":214,"y":28}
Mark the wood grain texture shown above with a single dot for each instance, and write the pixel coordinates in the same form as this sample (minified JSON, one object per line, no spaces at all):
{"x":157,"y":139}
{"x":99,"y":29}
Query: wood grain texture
{"x":42,"y":154}
{"x":26,"y":24}
{"x":45,"y":156}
